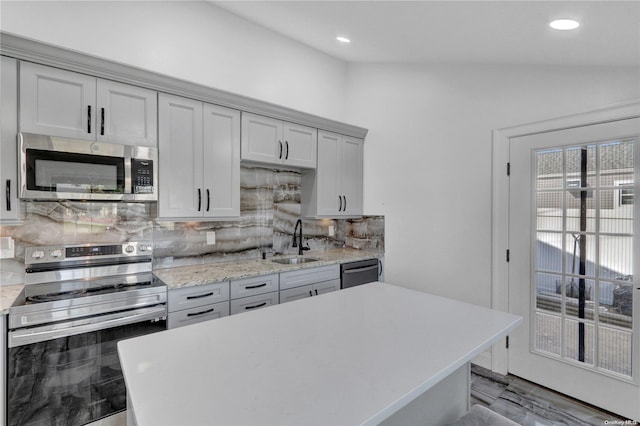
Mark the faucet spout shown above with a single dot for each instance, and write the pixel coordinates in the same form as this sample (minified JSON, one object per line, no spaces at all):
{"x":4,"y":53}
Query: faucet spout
{"x":299,"y":242}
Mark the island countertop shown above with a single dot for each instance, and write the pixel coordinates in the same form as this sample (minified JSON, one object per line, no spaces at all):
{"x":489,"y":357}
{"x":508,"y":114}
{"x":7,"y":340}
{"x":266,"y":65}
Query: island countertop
{"x":354,"y":356}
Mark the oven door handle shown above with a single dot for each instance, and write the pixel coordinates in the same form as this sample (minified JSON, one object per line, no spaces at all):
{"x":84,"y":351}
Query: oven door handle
{"x":20,"y":337}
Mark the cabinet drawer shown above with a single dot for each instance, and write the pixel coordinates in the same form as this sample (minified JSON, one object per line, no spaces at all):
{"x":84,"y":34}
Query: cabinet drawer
{"x":309,"y":276}
{"x":296,"y":293}
{"x":254,"y":285}
{"x":190,"y":297}
{"x":326,"y":287}
{"x":252,"y":303}
{"x":197,"y":314}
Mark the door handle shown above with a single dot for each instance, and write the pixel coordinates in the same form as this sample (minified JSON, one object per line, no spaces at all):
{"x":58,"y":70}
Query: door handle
{"x":88,"y":118}
{"x":102,"y":121}
{"x":344,"y":209}
{"x":208,"y":199}
{"x":8,"y":194}
{"x":280,"y":154}
{"x":340,"y":199}
{"x":286,"y":157}
{"x":199,"y":199}
{"x":260,"y":305}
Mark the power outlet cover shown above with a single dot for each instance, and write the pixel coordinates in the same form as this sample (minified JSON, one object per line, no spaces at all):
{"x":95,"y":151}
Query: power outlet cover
{"x":7,"y":248}
{"x":211,"y":238}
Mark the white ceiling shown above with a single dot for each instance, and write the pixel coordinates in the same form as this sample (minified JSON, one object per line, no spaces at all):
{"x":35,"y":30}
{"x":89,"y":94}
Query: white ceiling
{"x":513,"y":32}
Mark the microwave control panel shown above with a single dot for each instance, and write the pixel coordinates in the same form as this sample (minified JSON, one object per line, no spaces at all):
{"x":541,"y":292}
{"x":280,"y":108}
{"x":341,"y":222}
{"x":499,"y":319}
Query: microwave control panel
{"x":142,"y":176}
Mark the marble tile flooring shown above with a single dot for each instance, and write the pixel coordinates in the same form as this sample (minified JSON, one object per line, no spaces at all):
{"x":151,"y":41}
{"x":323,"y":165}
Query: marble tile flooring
{"x":531,"y":405}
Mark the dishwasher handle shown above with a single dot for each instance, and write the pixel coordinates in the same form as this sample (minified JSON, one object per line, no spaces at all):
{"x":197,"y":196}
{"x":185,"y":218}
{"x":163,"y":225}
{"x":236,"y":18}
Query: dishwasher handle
{"x":359,"y":270}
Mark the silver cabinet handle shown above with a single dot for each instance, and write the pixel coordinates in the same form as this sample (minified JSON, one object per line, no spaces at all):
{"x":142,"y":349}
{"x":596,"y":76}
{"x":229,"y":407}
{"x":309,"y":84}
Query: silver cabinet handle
{"x":280,"y":154}
{"x":199,"y":199}
{"x":208,"y":199}
{"x":286,"y":157}
{"x":340,"y":199}
{"x":344,"y":209}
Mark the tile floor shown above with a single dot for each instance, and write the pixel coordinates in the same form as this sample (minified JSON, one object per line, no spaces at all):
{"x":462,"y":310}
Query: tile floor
{"x":531,"y":405}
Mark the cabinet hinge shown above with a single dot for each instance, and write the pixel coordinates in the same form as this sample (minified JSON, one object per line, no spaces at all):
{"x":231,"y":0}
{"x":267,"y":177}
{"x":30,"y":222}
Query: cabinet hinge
{"x":508,"y":255}
{"x":508,"y":169}
{"x":507,"y":339}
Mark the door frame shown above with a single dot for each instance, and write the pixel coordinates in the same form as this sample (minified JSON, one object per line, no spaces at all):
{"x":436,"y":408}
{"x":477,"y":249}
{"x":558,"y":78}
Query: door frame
{"x":499,"y":359}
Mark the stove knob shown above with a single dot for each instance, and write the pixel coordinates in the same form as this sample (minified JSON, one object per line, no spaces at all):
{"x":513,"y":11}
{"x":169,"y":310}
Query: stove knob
{"x":56,"y":253}
{"x":129,"y":249}
{"x":37,"y":254}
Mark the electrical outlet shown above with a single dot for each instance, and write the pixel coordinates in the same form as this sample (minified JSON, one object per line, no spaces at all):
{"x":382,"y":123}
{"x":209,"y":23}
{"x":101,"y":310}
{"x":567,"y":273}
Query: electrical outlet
{"x":7,"y":249}
{"x":332,"y":231}
{"x":211,"y":238}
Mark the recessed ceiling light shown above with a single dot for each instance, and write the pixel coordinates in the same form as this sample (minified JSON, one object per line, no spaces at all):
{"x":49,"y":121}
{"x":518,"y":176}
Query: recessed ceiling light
{"x":564,"y":24}
{"x":342,"y":39}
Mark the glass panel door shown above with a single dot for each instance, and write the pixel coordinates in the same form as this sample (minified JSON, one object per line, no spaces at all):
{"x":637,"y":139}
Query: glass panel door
{"x":583,"y":254}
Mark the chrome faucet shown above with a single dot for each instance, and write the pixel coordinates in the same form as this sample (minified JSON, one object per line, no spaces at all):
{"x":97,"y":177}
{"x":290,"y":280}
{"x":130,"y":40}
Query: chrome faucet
{"x":296,"y":243}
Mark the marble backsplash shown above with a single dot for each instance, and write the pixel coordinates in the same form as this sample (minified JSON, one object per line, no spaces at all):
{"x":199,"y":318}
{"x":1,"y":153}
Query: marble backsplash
{"x":269,"y":209}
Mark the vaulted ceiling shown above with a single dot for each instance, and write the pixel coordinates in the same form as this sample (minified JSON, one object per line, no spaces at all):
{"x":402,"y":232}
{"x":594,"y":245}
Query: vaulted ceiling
{"x":503,"y":32}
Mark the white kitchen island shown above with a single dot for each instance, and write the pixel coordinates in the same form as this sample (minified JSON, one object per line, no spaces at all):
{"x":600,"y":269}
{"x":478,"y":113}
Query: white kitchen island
{"x":365,"y":355}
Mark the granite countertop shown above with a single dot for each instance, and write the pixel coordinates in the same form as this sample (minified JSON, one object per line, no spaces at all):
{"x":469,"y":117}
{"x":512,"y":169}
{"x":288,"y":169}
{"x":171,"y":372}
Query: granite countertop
{"x":187,"y":276}
{"x":8,"y":296}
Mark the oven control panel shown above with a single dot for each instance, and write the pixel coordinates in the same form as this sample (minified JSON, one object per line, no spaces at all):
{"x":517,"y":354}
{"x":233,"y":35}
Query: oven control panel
{"x":58,"y":254}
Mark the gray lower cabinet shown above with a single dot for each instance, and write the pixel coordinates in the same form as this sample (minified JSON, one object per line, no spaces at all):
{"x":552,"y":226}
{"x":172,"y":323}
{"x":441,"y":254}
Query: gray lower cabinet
{"x":196,"y":304}
{"x":304,"y":283}
{"x":252,"y":293}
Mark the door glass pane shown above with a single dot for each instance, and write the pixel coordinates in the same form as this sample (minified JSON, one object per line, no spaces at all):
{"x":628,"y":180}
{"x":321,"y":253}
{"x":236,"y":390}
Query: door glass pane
{"x":583,"y":266}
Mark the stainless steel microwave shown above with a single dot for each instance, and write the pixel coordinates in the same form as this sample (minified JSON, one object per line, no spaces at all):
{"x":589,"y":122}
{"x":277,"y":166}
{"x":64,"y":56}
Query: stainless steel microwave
{"x":72,"y":169}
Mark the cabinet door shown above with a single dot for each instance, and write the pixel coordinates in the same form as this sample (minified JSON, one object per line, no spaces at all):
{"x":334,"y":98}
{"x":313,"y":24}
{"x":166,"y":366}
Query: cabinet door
{"x":300,"y":146}
{"x":221,"y":162}
{"x":326,"y":287}
{"x":329,"y":201}
{"x":56,"y":102}
{"x":262,"y":139}
{"x":126,"y":114}
{"x":180,"y":157}
{"x":9,"y":204}
{"x":351,"y":176}
{"x":296,"y":293}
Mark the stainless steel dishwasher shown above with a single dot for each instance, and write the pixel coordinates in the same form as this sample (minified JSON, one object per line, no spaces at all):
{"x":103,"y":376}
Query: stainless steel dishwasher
{"x":359,"y":272}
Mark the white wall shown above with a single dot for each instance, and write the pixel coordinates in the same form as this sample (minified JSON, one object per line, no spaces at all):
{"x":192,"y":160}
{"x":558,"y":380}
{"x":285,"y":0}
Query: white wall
{"x":428,"y":152}
{"x":428,"y":156}
{"x":194,"y":41}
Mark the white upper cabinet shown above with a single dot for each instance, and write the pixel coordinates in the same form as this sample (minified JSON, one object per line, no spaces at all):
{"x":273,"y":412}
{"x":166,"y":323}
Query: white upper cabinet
{"x":271,"y":141}
{"x":126,"y":114}
{"x":63,"y":103}
{"x":199,"y":159}
{"x":9,"y":203}
{"x":335,"y":188}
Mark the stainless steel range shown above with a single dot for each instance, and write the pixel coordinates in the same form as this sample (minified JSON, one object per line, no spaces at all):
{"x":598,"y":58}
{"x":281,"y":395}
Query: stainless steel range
{"x":78,"y":302}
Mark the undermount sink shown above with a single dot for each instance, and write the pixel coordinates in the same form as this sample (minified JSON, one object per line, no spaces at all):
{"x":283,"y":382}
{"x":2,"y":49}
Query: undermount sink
{"x":294,"y":260}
